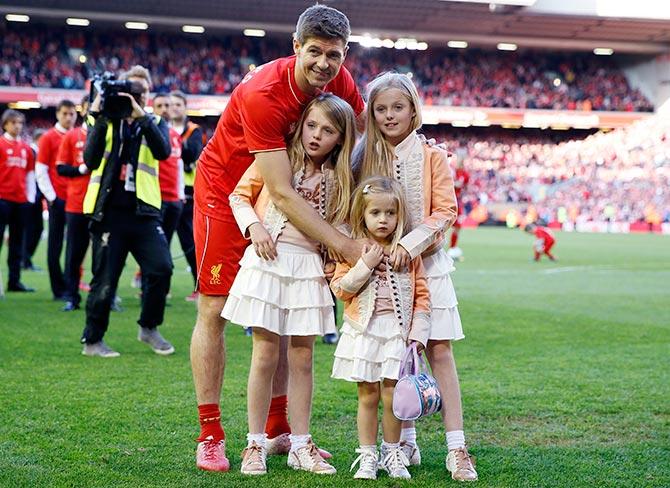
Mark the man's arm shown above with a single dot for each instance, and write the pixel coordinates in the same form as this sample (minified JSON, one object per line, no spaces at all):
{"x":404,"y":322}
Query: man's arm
{"x":95,"y":143}
{"x":42,"y":170}
{"x":275,"y":168}
{"x":157,"y":136}
{"x":191,"y":150}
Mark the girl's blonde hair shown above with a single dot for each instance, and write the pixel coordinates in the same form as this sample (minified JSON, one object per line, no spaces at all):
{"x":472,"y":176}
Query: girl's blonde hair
{"x":341,"y":115}
{"x":377,"y":185}
{"x":378,"y":153}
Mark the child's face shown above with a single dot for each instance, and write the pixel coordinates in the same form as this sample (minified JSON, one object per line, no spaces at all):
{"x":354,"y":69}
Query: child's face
{"x":393,"y":115}
{"x":319,"y":135}
{"x":381,"y":216}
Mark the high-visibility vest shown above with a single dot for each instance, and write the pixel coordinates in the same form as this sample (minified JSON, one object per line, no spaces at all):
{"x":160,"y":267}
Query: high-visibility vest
{"x":147,"y":186}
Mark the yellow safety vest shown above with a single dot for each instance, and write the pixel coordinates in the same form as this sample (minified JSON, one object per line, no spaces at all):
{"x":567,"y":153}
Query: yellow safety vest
{"x":147,"y":186}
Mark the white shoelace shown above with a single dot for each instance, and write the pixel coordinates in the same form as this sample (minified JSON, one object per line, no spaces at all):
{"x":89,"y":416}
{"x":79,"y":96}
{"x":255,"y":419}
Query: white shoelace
{"x":396,"y":460}
{"x":367,"y":460}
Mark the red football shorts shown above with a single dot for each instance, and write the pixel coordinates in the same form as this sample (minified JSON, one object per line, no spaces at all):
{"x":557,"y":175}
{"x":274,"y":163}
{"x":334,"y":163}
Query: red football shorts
{"x":219,"y":246}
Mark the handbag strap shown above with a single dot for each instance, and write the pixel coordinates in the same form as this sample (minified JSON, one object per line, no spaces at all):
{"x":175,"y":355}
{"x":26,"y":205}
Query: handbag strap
{"x":409,"y":362}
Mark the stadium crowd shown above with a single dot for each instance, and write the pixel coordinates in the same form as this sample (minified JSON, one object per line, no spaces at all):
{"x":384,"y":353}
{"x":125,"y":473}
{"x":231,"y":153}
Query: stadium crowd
{"x":36,"y":57}
{"x":616,"y":176}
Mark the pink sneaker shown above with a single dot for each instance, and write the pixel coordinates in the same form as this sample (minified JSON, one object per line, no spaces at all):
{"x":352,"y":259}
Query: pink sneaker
{"x":211,"y":456}
{"x":282,"y":445}
{"x":193,"y":297}
{"x":83,"y":286}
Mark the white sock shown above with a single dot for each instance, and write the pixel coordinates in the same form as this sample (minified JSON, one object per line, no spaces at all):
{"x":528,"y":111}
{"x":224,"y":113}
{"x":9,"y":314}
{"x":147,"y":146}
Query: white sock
{"x":259,"y":439}
{"x":371,"y":448}
{"x":455,"y":439}
{"x":408,"y":435}
{"x":298,"y":441}
{"x":387,"y":446}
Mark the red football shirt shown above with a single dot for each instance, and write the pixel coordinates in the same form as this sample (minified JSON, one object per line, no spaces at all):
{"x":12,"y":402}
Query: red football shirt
{"x":170,"y":171}
{"x":47,"y":153}
{"x":461,"y":179}
{"x":72,"y":153}
{"x":261,"y":116}
{"x":546,"y":234}
{"x":16,"y":161}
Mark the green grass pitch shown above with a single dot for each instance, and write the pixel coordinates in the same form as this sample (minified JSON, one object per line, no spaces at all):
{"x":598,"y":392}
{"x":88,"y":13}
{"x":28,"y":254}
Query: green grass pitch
{"x":564,"y":372}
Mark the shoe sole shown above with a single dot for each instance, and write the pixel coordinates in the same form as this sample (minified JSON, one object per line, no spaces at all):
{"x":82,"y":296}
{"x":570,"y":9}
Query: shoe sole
{"x":214,"y":470}
{"x":160,"y":352}
{"x":300,"y":468}
{"x":101,"y":356}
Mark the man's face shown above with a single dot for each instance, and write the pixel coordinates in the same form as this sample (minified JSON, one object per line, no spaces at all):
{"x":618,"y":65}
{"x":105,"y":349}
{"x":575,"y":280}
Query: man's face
{"x":66,"y":117}
{"x":13,"y":127}
{"x":162,"y":106}
{"x":177,"y":108}
{"x":318,"y":61}
{"x":145,"y":94}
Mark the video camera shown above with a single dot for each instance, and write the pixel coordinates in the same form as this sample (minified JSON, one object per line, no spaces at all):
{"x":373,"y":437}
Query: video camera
{"x":114,"y":105}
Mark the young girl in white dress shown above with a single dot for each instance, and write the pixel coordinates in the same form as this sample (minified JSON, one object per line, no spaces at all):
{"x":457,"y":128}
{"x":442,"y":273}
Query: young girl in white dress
{"x":393,"y":148}
{"x":281,"y":289}
{"x":383,"y":311}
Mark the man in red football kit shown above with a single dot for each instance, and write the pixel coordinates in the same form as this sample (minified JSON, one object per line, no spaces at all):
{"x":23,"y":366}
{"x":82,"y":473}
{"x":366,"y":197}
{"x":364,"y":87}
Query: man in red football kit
{"x":17,"y":188}
{"x":54,"y":188}
{"x":544,"y":241}
{"x":171,"y":173}
{"x":70,"y":165}
{"x":261,"y":114}
{"x":461,"y":179}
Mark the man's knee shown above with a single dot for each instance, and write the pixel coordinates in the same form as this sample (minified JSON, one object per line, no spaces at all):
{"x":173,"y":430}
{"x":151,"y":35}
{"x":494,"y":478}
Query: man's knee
{"x":209,"y":310}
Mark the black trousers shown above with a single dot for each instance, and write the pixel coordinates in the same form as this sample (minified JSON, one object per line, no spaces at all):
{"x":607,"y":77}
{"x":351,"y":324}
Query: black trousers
{"x":55,"y":246}
{"x":34,"y":225}
{"x":170,"y":213}
{"x":76,"y":244}
{"x":185,"y":234}
{"x":111,"y":241}
{"x":13,"y":215}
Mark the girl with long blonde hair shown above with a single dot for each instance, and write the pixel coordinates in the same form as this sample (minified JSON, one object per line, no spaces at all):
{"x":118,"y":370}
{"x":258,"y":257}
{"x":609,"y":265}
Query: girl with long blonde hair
{"x":281,"y":291}
{"x":393,"y":148}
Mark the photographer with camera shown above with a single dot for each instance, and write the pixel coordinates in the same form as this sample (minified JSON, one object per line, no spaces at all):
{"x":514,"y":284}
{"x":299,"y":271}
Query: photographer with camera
{"x":123,"y":200}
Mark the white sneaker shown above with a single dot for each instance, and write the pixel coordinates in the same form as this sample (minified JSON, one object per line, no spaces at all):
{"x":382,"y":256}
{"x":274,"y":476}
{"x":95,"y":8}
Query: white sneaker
{"x":254,"y":460}
{"x":368,"y":461}
{"x":412,"y":452}
{"x":308,"y":458}
{"x":395,"y":463}
{"x":99,"y":349}
{"x":461,"y":465}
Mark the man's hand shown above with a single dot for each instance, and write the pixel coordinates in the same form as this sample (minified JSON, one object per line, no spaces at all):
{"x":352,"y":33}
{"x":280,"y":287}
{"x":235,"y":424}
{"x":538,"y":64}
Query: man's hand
{"x":350,"y":252}
{"x":263,"y":245}
{"x":372,"y":255}
{"x":95,"y":106}
{"x":400,"y":258}
{"x":137,"y":110}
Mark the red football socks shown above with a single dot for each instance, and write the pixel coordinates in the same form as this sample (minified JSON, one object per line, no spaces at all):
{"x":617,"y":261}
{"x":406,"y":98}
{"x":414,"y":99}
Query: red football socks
{"x":277,"y":423}
{"x":210,"y":422}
